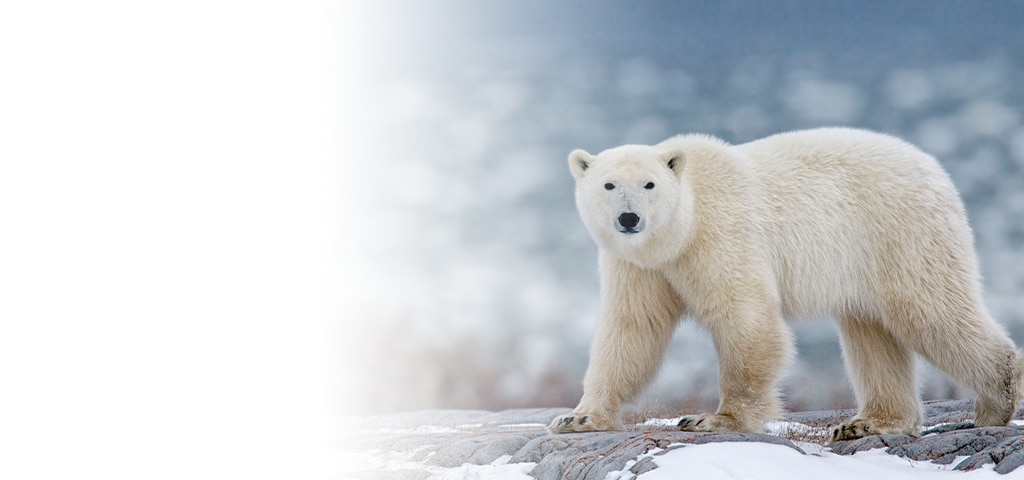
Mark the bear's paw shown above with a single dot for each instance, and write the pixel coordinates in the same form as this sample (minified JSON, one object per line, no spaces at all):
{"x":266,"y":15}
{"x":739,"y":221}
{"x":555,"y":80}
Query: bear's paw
{"x":863,"y":427}
{"x":583,"y":422}
{"x":710,"y":422}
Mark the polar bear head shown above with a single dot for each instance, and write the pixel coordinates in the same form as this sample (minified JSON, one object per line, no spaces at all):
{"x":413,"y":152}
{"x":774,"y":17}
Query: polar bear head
{"x":632,"y":200}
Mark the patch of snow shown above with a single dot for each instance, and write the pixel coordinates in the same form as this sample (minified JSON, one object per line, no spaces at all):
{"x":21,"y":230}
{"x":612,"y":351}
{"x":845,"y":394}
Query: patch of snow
{"x":356,"y":465}
{"x":812,"y":448}
{"x":781,"y":428}
{"x":499,"y":469}
{"x":625,"y":474}
{"x":765,"y":461}
{"x":662,"y":422}
{"x":778,"y":428}
{"x":378,"y":459}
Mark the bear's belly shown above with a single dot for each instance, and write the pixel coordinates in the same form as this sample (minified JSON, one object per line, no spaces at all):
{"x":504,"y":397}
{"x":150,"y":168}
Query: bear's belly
{"x":821,"y":277}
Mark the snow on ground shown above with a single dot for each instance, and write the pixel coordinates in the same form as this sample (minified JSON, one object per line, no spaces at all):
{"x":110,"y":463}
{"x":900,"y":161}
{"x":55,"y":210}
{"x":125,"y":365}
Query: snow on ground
{"x":764,"y":461}
{"x":731,"y":460}
{"x":497,"y":470}
{"x":378,"y":460}
{"x":734,"y":460}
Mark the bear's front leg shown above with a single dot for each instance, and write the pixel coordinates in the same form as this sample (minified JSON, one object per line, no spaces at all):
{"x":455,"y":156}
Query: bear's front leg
{"x":753,"y":346}
{"x":639,"y":311}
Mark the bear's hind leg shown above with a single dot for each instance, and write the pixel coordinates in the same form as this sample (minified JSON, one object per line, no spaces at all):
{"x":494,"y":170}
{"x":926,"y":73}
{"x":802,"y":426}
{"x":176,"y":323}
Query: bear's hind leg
{"x":996,"y":406}
{"x":882,"y":372}
{"x":971,"y":348}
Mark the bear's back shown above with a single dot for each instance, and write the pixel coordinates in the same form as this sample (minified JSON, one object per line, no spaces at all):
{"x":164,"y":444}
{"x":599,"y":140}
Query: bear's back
{"x":849,"y":213}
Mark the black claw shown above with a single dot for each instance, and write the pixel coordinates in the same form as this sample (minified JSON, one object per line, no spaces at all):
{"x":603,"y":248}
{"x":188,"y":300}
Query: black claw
{"x":700,"y":422}
{"x":567,"y":421}
{"x":583,"y":419}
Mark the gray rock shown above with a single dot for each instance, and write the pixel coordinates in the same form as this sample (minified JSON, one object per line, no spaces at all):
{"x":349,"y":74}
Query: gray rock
{"x":645,"y":465}
{"x":948,"y":411}
{"x":593,"y":455}
{"x":945,"y":447}
{"x":850,"y":447}
{"x":983,"y":445}
{"x":949,"y":427}
{"x":1007,"y":455}
{"x":702,"y":438}
{"x":1010,"y":462}
{"x":540,"y":447}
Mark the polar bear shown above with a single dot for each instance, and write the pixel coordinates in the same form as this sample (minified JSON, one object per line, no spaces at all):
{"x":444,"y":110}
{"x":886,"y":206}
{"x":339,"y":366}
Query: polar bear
{"x":837,"y":222}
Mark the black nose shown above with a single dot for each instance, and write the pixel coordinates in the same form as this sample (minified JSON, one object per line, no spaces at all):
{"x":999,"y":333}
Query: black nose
{"x":629,"y":220}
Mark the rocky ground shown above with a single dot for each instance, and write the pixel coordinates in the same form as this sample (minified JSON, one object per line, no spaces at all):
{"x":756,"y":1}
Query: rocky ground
{"x":420,"y":445}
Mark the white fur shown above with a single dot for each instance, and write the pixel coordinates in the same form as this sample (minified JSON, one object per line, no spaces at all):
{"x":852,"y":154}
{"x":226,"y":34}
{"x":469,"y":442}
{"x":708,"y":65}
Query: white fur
{"x":835,"y":222}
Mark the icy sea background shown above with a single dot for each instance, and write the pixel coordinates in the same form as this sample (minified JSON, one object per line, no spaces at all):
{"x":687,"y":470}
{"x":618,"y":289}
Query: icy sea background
{"x":471,"y":283}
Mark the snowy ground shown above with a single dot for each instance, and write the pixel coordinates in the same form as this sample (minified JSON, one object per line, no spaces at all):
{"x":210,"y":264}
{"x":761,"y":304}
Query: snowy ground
{"x":436,"y":445}
{"x":719,"y":461}
{"x":708,"y":462}
{"x":763,"y":461}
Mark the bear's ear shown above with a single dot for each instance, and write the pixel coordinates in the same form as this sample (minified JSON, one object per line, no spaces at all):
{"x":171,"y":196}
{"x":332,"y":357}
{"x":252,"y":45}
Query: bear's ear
{"x":675,"y":161}
{"x":579,"y":162}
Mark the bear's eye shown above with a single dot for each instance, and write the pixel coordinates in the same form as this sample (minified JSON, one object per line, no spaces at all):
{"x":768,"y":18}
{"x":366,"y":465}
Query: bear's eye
{"x":609,"y":186}
{"x":649,"y":185}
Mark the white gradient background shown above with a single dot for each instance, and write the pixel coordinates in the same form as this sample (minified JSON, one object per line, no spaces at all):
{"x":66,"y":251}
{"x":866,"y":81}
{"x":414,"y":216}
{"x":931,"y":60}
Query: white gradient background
{"x":167,"y":193}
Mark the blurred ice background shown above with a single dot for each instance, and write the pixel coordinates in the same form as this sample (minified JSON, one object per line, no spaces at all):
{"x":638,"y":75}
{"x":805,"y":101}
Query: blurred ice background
{"x":472,"y":283}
